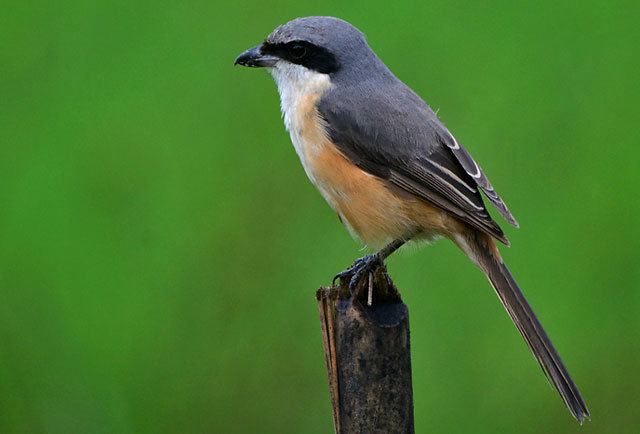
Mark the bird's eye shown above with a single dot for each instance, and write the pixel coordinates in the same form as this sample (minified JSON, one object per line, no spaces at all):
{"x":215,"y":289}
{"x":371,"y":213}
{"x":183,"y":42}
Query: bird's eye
{"x":298,"y":51}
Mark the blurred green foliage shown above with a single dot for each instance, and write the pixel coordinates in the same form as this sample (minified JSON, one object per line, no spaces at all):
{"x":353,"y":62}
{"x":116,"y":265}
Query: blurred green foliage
{"x":161,"y":244}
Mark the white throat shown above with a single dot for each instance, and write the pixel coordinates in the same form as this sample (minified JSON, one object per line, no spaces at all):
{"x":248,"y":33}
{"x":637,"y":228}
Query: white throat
{"x":299,"y":88}
{"x":294,"y":83}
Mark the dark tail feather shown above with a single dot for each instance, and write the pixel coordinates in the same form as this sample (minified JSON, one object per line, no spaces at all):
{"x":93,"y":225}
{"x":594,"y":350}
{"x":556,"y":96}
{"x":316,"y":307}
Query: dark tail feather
{"x":488,"y":258}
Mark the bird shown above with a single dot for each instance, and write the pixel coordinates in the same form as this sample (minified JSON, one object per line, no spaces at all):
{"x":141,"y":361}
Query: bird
{"x":388,"y":166}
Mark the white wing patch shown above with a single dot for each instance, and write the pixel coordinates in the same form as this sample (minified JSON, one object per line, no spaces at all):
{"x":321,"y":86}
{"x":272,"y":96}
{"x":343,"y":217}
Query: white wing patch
{"x":471,"y":167}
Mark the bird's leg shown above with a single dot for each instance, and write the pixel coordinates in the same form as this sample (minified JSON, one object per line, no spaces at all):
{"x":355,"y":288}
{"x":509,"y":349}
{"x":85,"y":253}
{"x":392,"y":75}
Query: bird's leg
{"x":367,"y":264}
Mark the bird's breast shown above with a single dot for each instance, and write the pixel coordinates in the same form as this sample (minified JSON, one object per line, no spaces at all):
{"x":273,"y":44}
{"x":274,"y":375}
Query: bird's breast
{"x":369,"y":208}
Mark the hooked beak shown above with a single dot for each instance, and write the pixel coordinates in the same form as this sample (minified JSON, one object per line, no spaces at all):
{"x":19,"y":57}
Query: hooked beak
{"x":254,"y":58}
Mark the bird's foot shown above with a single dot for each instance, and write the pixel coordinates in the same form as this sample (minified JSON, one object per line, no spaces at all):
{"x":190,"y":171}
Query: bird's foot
{"x":362,"y":268}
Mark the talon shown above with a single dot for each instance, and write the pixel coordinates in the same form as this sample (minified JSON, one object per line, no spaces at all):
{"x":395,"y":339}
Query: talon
{"x":343,"y":274}
{"x":349,"y":271}
{"x":340,"y":275}
{"x":362,"y":267}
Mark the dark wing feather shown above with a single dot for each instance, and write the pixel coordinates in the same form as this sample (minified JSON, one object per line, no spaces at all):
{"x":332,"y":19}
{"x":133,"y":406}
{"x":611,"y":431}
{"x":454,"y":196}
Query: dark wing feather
{"x":481,"y":221}
{"x":397,"y":137}
{"x":473,"y":169}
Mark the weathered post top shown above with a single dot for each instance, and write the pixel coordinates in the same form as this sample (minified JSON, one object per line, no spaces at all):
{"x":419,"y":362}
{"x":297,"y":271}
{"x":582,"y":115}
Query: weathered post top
{"x":367,"y":353}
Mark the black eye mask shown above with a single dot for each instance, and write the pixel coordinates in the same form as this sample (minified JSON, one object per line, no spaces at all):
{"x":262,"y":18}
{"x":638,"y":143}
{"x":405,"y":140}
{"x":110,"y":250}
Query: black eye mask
{"x":303,"y":53}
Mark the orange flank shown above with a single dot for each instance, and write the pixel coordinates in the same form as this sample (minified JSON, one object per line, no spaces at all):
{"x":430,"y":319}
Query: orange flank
{"x":371,"y":208}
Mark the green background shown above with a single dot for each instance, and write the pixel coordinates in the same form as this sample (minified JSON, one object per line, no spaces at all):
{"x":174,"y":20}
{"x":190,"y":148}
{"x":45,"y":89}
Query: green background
{"x":161,"y":245}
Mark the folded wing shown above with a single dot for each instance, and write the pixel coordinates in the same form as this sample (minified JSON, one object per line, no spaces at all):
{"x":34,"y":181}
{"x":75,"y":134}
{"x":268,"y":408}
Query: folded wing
{"x":397,"y":137}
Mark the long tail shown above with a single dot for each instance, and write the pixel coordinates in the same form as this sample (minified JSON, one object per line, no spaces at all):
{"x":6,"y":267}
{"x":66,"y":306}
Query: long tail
{"x":482,"y":249}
